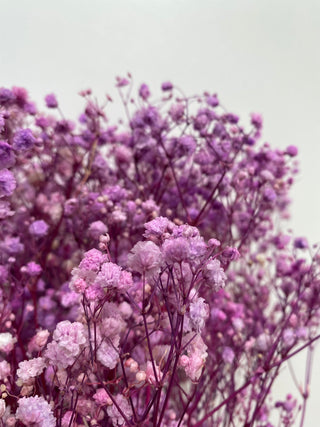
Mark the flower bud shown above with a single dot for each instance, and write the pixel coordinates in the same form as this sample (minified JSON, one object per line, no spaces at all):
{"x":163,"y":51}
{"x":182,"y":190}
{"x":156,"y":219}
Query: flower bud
{"x":141,"y":376}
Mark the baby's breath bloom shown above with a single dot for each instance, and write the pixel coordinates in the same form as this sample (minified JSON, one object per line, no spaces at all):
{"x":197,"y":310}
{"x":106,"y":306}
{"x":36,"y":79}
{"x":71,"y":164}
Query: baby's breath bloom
{"x":4,"y":370}
{"x":35,"y":411}
{"x":116,"y":418}
{"x":7,"y":183}
{"x":7,"y":342}
{"x":145,"y":257}
{"x":29,"y":369}
{"x":214,"y":275}
{"x":38,"y":228}
{"x":199,"y":312}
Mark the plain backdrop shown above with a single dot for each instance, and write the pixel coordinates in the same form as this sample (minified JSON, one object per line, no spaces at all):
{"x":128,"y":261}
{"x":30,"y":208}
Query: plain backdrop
{"x":260,"y":56}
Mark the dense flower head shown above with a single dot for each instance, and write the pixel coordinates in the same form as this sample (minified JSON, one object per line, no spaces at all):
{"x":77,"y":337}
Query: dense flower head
{"x":7,"y":158}
{"x":7,"y":183}
{"x":23,"y":140}
{"x":51,"y":101}
{"x":35,"y":411}
{"x":114,"y":414}
{"x":68,"y":338}
{"x":214,"y":275}
{"x":92,"y":260}
{"x":38,"y":228}
{"x":145,"y":257}
{"x":30,"y":369}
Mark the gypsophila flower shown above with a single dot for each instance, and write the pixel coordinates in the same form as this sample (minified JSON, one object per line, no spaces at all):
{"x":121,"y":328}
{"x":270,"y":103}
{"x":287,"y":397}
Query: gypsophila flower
{"x":32,"y":268}
{"x":5,"y":209}
{"x":92,"y":260}
{"x":38,"y":228}
{"x":116,"y":418}
{"x":51,"y":101}
{"x":144,"y":91}
{"x":157,"y":226}
{"x":102,"y":397}
{"x":196,"y":356}
{"x":23,"y":140}
{"x":35,"y":411}
{"x":4,"y":370}
{"x":109,"y":276}
{"x":176,"y":250}
{"x":7,"y":342}
{"x":199,"y":312}
{"x":228,"y":355}
{"x":38,"y":341}
{"x":97,"y":228}
{"x":68,"y":341}
{"x":166,"y":86}
{"x":29,"y":369}
{"x":7,"y":158}
{"x":214,"y":275}
{"x":7,"y":183}
{"x":145,"y":257}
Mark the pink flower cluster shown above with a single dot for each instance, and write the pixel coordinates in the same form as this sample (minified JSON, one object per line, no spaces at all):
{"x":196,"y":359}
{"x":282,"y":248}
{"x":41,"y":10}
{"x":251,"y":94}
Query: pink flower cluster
{"x":144,"y":279}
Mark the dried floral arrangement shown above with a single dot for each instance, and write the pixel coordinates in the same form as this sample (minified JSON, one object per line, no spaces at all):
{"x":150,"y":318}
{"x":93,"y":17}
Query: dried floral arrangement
{"x":145,"y":276}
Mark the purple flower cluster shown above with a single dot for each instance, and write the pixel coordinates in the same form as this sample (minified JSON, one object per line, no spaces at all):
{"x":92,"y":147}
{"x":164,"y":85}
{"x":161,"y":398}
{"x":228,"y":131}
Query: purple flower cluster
{"x":144,"y":279}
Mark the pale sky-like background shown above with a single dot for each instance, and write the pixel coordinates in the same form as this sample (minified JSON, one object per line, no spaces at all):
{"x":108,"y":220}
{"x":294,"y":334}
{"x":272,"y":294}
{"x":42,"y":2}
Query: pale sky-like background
{"x":258,"y":55}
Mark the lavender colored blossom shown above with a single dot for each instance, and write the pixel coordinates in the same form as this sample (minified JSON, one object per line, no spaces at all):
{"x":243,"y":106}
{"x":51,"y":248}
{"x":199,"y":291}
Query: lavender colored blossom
{"x":228,"y":355}
{"x":145,"y":257}
{"x":6,"y":95}
{"x":35,"y":411}
{"x":7,"y":183}
{"x":7,"y":158}
{"x":214,"y":275}
{"x":157,"y":227}
{"x":92,"y":260}
{"x":4,"y":370}
{"x":32,"y":268}
{"x":97,"y":228}
{"x":38,"y":228}
{"x":12,"y":245}
{"x":144,"y":91}
{"x":199,"y":312}
{"x":68,"y":340}
{"x":166,"y":86}
{"x":102,"y":397}
{"x":115,"y":416}
{"x":176,"y":250}
{"x":23,"y":140}
{"x":292,"y":150}
{"x":51,"y":101}
{"x":29,"y":369}
{"x":5,"y":209}
{"x":108,"y":353}
{"x":109,"y":276}
{"x":2,"y":408}
{"x":300,"y":243}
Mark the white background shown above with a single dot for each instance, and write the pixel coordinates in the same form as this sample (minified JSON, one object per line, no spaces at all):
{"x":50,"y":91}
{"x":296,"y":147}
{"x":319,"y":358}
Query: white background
{"x":258,"y":55}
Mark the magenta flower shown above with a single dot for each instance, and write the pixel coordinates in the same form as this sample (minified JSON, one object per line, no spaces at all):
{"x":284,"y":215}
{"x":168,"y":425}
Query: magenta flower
{"x":51,"y":101}
{"x":7,"y":158}
{"x":38,"y":228}
{"x":145,"y":258}
{"x":23,"y":140}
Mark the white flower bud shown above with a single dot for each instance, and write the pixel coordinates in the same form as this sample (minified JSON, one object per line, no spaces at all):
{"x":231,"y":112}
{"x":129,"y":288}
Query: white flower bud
{"x":141,"y":376}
